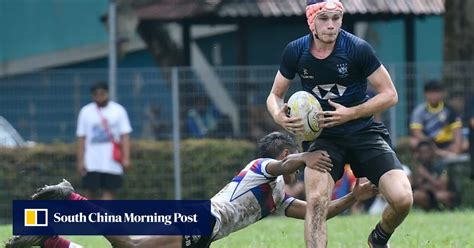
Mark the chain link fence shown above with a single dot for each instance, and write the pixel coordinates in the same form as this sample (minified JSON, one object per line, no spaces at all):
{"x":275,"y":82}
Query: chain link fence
{"x":226,"y":102}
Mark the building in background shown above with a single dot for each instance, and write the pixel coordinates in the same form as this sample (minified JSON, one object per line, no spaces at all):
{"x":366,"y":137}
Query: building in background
{"x":48,"y":64}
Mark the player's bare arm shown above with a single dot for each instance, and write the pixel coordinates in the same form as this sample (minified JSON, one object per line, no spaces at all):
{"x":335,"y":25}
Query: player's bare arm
{"x":317,"y":160}
{"x":361,"y":192}
{"x":277,"y":107}
{"x":387,"y":97}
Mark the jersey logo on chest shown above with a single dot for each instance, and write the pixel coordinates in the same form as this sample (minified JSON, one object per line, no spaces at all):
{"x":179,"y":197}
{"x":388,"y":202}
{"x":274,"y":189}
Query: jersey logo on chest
{"x":343,"y":70}
{"x":329,"y":91}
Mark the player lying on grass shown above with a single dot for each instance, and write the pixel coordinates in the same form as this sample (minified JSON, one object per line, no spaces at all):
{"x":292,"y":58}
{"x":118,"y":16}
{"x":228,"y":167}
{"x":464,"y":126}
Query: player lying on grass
{"x":256,"y":192}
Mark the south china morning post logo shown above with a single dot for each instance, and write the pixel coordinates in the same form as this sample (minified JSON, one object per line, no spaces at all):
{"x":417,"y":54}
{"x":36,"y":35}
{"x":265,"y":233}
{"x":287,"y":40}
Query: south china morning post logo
{"x":118,"y":217}
{"x":36,"y":217}
{"x":104,"y":217}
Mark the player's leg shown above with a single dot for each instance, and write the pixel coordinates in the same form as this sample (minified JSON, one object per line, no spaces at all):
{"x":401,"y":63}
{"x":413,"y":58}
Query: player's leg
{"x":396,"y":188}
{"x":394,"y":185}
{"x":156,"y":241}
{"x":60,"y":242}
{"x":371,"y":156}
{"x":318,"y":187}
{"x":65,"y":191}
{"x":110,"y":183}
{"x":318,"y":194}
{"x":91,"y":184}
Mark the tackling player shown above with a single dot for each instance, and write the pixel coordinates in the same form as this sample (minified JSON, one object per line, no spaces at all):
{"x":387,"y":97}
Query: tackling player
{"x":256,"y":192}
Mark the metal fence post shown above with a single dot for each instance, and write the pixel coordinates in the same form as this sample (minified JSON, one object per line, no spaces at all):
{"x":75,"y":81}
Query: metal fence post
{"x":176,"y":133}
{"x":112,"y":21}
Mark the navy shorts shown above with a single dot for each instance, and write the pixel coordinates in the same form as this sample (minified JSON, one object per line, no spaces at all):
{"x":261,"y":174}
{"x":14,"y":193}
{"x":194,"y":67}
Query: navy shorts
{"x":198,"y":241}
{"x":369,"y":154}
{"x":94,"y":181}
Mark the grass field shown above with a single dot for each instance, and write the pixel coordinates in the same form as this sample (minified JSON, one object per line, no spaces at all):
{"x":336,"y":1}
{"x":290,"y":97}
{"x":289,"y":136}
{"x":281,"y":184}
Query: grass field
{"x":447,"y":229}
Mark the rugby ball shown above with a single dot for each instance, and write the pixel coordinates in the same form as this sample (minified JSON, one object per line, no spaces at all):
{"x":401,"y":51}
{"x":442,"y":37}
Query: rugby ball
{"x":303,"y":104}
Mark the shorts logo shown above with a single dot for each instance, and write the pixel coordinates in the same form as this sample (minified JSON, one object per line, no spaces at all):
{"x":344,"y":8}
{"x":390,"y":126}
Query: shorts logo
{"x":36,"y":217}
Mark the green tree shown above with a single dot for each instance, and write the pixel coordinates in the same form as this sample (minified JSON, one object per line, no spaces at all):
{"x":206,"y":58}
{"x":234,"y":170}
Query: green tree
{"x":458,"y":43}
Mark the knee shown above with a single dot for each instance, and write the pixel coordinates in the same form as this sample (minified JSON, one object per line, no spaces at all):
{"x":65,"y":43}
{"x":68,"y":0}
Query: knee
{"x":402,"y":201}
{"x":397,"y":190}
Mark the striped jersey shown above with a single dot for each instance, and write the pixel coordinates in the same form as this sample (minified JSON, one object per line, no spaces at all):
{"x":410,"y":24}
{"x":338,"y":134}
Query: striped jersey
{"x":437,"y":123}
{"x":251,"y":195}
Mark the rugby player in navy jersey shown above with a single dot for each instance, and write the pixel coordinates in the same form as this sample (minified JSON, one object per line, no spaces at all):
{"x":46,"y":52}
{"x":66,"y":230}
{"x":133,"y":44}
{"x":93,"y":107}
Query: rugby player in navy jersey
{"x":335,"y":67}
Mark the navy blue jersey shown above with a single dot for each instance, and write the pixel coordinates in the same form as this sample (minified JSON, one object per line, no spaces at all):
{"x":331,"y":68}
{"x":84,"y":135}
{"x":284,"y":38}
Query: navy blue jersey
{"x":341,"y":77}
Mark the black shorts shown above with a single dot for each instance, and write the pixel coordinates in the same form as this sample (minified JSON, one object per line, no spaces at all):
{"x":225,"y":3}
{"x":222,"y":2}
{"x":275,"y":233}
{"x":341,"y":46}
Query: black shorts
{"x":94,"y":181}
{"x":198,"y":241}
{"x":369,"y":154}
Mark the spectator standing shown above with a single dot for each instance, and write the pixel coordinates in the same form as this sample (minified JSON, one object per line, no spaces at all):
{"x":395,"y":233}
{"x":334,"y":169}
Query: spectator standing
{"x":100,"y":124}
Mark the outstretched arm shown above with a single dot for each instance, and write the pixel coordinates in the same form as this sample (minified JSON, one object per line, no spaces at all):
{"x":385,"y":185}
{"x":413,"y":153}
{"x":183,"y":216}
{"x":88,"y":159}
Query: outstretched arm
{"x":297,"y":209}
{"x":318,"y":160}
{"x":361,"y":192}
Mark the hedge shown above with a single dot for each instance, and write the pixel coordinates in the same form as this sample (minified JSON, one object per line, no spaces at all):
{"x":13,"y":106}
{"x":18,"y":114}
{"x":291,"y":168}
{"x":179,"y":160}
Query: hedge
{"x":207,"y":165}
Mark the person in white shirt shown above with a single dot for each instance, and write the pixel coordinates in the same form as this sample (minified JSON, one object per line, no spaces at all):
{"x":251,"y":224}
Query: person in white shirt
{"x":100,"y":124}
